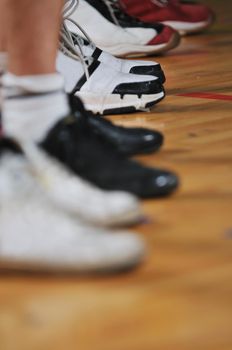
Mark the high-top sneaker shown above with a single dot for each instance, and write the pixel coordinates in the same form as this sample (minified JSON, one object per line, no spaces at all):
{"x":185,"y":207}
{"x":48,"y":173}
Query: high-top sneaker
{"x":185,"y":17}
{"x":92,"y":157}
{"x":36,"y":235}
{"x":128,"y":141}
{"x":103,"y":89}
{"x":114,"y":31}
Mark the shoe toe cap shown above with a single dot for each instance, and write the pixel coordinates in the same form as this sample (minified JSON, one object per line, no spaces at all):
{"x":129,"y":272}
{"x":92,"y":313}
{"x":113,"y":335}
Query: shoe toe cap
{"x":160,"y":183}
{"x":153,"y":138}
{"x":139,"y":88}
{"x":164,"y":37}
{"x":166,"y":183}
{"x":154,"y":70}
{"x":197,"y":12}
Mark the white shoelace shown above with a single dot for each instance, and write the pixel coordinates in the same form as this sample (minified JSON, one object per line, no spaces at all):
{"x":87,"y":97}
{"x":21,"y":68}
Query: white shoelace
{"x":69,"y":7}
{"x":68,"y":42}
{"x":110,"y":5}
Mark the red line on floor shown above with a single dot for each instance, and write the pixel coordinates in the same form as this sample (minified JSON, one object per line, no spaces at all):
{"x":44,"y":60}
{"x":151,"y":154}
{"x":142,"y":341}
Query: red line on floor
{"x":207,"y":95}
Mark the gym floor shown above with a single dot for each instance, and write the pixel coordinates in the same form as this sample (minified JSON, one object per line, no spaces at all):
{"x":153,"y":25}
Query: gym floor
{"x":181,"y":297}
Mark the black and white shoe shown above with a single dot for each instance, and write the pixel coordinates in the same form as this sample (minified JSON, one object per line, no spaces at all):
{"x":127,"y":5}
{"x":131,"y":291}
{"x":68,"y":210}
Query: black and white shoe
{"x":119,"y":34}
{"x":89,"y":49}
{"x":104,"y":90}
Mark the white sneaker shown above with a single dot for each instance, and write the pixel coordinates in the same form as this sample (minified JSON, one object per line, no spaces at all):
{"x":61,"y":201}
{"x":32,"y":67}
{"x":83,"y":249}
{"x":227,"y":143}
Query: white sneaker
{"x":35,"y":235}
{"x":119,"y":34}
{"x":102,"y":88}
{"x":75,"y":196}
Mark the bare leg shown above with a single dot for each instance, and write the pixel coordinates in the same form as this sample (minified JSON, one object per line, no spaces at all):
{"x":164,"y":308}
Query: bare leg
{"x":3,"y":24}
{"x":32,"y":35}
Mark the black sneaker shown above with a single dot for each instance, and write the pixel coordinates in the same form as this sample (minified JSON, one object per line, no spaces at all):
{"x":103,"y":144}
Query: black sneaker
{"x":127,"y":141}
{"x":89,"y":155}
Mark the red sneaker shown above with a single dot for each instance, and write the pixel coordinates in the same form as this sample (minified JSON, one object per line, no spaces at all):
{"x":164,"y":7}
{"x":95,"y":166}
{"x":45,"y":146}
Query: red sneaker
{"x":185,"y":17}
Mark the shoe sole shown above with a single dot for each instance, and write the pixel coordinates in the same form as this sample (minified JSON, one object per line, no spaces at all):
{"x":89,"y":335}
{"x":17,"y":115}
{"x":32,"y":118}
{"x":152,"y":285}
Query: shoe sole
{"x":187,"y":28}
{"x":20,"y":266}
{"x":130,"y":50}
{"x":116,"y":104}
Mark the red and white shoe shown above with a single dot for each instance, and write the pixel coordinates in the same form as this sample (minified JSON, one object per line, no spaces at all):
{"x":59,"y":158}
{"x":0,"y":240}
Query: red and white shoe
{"x":185,"y":17}
{"x":111,"y":29}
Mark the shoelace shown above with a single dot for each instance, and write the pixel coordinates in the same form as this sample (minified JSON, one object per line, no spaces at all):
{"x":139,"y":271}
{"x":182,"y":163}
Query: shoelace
{"x":69,"y":41}
{"x":69,"y":7}
{"x":116,"y":11}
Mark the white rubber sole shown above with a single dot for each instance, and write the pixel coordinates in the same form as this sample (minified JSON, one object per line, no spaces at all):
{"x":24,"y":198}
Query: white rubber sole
{"x":38,"y":266}
{"x":114,"y":103}
{"x":132,"y":50}
{"x":185,"y":28}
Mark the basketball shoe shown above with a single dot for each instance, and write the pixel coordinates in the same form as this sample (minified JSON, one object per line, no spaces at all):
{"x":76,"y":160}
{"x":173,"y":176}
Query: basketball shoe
{"x":103,"y":89}
{"x":185,"y":17}
{"x":127,"y":141}
{"x":119,"y":34}
{"x":36,"y":235}
{"x":91,"y":157}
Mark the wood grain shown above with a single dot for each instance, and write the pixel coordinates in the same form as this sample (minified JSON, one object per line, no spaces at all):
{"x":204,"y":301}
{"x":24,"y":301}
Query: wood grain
{"x":181,"y":298}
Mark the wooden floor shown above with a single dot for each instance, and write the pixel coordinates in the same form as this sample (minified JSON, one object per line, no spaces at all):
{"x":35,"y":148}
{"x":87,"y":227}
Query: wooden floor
{"x":181,"y":298}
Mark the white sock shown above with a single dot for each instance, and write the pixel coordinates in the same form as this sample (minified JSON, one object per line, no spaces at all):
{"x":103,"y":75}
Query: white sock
{"x":32,"y":105}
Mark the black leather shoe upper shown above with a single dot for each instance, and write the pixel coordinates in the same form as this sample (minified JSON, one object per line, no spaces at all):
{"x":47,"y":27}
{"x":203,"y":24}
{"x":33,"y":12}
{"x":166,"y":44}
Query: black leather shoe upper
{"x":139,"y":88}
{"x":90,"y":156}
{"x":154,"y":70}
{"x":128,"y":141}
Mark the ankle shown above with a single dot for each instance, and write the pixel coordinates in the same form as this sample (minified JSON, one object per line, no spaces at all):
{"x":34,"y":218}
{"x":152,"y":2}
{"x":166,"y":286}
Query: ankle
{"x":32,"y":104}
